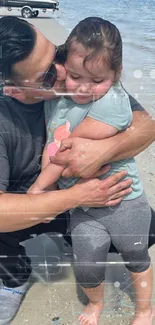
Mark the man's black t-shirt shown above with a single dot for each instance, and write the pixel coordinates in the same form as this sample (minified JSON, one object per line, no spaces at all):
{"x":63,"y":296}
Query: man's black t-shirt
{"x":22,"y":139}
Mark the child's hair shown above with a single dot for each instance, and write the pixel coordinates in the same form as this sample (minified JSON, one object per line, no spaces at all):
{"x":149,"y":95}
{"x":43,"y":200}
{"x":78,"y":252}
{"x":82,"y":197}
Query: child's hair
{"x":100,"y":36}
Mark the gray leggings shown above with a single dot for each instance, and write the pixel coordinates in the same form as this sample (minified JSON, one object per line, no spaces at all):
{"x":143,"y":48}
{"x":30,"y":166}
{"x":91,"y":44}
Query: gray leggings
{"x":126,"y":225}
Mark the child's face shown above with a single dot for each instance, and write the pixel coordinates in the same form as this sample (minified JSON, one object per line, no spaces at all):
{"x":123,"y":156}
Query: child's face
{"x":89,"y":81}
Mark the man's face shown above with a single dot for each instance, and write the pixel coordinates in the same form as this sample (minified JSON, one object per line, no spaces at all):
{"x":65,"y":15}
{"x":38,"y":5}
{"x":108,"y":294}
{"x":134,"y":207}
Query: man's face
{"x":29,"y":73}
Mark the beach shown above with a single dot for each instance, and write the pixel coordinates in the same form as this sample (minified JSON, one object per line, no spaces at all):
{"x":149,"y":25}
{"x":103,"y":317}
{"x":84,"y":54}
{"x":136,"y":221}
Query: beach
{"x":53,"y":298}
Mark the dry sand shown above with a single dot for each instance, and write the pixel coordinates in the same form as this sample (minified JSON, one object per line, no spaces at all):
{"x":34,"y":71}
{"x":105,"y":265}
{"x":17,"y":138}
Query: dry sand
{"x":55,"y":301}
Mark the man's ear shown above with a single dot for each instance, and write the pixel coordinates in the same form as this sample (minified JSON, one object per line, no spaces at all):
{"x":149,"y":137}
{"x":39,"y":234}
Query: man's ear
{"x":61,"y":72}
{"x":14,"y":92}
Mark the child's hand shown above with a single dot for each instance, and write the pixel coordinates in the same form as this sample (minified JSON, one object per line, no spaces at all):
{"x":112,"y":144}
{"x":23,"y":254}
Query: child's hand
{"x":35,"y":190}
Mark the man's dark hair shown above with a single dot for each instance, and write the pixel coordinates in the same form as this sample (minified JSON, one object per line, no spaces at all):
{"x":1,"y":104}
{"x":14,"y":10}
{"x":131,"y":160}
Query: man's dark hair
{"x":17,"y":40}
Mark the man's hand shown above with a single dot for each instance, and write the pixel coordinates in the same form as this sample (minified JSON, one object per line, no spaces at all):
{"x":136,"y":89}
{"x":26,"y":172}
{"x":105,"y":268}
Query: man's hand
{"x":82,"y":157}
{"x":102,"y":193}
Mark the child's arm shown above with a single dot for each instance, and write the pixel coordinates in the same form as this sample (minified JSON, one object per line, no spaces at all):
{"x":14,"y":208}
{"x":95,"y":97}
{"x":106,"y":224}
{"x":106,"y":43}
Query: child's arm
{"x":45,"y":158}
{"x":50,"y":173}
{"x":90,"y":128}
{"x":107,"y":116}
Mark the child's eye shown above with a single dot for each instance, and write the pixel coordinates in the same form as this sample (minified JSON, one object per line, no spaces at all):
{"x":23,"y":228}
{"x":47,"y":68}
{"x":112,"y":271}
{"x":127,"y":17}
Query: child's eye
{"x":74,"y":77}
{"x":98,"y":81}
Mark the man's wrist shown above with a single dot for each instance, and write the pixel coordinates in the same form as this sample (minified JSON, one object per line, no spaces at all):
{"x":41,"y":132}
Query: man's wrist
{"x":63,"y":200}
{"x":108,"y":150}
{"x":75,"y":196}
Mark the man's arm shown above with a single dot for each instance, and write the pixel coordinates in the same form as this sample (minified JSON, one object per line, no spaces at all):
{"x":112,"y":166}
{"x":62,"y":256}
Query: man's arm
{"x":85,"y":157}
{"x":138,"y":137}
{"x":134,"y":140}
{"x":20,"y":211}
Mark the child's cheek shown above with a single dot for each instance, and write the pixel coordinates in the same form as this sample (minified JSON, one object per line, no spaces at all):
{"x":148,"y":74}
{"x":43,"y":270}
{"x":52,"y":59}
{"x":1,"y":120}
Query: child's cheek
{"x":102,"y":89}
{"x":71,"y":85}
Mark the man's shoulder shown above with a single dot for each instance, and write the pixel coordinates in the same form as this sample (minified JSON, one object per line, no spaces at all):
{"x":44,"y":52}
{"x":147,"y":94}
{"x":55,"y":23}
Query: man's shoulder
{"x":10,"y":111}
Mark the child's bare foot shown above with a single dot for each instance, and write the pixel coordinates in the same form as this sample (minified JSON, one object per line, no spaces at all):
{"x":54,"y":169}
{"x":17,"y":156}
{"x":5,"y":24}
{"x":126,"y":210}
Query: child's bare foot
{"x":145,"y":318}
{"x":91,"y":314}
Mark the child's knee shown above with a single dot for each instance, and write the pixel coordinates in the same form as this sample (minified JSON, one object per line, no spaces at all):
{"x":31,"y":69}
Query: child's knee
{"x":90,"y":276}
{"x":137,"y":261}
{"x":90,"y":269}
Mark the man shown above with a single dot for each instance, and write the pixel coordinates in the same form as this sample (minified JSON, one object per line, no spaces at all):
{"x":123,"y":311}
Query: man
{"x":28,"y":65}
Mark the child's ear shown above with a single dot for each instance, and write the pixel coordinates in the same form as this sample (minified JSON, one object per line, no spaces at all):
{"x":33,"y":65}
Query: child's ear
{"x":14,"y":92}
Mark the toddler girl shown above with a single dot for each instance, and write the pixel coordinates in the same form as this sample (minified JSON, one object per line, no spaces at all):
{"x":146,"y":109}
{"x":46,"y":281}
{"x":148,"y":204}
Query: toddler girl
{"x":98,"y":107}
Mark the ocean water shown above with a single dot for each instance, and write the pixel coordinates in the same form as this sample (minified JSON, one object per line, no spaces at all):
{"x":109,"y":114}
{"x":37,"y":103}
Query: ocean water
{"x":136,"y":22}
